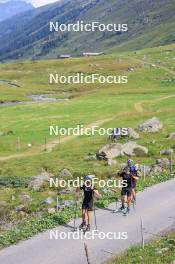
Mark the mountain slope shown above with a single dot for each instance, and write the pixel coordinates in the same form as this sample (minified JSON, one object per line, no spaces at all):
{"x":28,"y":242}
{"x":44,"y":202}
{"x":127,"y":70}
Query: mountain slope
{"x":151,"y":23}
{"x":12,"y":8}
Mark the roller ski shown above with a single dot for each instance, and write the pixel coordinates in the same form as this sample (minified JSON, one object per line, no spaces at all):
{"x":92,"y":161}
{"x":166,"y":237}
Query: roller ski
{"x":120,"y":210}
{"x":126,"y":211}
{"x":82,"y":226}
{"x":87,"y":229}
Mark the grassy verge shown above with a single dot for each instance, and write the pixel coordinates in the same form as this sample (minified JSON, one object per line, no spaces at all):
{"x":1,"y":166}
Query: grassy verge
{"x":159,"y":251}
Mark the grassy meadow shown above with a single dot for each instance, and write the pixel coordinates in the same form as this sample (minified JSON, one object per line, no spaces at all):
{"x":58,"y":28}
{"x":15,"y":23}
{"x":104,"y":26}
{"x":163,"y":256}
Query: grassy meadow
{"x":149,"y":92}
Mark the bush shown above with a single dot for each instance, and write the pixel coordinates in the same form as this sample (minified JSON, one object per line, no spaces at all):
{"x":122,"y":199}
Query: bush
{"x":14,"y":182}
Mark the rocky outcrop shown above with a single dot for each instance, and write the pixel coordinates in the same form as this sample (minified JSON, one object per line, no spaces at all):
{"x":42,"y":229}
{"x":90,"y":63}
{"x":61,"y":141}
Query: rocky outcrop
{"x":152,"y":125}
{"x":39,"y":181}
{"x":114,"y":150}
{"x":161,"y":165}
{"x":65,"y":173}
{"x":48,"y":201}
{"x":133,"y":134}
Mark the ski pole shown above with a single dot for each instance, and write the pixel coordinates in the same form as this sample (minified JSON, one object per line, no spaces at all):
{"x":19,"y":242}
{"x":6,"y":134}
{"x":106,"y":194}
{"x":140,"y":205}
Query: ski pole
{"x":95,"y":219}
{"x":75,"y":216}
{"x":95,"y":214}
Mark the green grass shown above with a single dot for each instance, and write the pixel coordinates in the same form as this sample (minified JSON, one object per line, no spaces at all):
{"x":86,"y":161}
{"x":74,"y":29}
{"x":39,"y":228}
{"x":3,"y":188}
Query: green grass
{"x":151,"y":253}
{"x":88,"y":104}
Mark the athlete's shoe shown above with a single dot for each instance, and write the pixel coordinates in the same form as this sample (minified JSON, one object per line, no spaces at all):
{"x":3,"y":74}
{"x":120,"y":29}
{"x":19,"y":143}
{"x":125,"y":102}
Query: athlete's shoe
{"x":88,"y":228}
{"x":126,"y":211}
{"x":120,"y":209}
{"x":83,"y":225}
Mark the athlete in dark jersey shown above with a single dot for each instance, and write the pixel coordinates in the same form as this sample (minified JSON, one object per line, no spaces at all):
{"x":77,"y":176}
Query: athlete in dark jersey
{"x":126,"y":192}
{"x":87,"y":206}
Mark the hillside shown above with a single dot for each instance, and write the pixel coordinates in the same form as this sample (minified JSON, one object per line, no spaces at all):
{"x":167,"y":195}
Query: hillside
{"x":12,"y":8}
{"x":151,"y":23}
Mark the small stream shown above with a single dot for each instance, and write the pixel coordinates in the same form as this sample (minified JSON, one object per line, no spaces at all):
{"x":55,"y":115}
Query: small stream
{"x":35,"y":98}
{"x":9,"y":83}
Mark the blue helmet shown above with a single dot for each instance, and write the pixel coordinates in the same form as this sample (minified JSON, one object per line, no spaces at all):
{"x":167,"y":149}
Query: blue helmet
{"x":88,"y":177}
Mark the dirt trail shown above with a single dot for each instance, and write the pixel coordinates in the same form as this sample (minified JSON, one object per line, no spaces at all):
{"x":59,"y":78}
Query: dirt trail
{"x":44,"y":149}
{"x":53,"y":143}
{"x":139,"y":105}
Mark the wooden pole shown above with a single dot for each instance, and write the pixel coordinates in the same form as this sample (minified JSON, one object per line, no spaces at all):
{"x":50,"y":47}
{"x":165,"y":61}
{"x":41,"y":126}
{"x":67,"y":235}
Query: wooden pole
{"x":144,"y":172}
{"x":171,"y":162}
{"x":142,"y":233}
{"x":45,"y":148}
{"x":57,"y":203}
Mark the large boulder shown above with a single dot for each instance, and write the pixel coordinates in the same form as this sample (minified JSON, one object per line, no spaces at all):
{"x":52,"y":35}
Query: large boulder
{"x":131,"y":148}
{"x":48,"y":201}
{"x":110,"y":151}
{"x":133,"y":134}
{"x":163,"y":163}
{"x":39,"y":181}
{"x":114,"y":150}
{"x":65,"y":173}
{"x":20,"y":208}
{"x":151,"y":125}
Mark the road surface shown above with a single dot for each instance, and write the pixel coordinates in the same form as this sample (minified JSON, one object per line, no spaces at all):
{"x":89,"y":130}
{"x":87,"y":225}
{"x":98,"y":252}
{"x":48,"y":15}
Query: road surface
{"x":156,"y":206}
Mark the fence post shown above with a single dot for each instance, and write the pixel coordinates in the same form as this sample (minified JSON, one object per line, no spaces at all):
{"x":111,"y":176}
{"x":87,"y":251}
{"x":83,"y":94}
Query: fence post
{"x":45,"y":144}
{"x":57,"y":203}
{"x":144,"y":172}
{"x":171,"y":162}
{"x":18,"y":143}
{"x":142,"y":233}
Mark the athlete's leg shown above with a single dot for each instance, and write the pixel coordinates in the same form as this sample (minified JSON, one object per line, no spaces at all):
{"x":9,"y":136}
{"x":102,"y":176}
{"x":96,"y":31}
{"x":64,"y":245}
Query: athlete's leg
{"x":129,"y":200}
{"x":83,"y":215}
{"x":124,"y":200}
{"x":89,"y":216}
{"x":133,"y":194}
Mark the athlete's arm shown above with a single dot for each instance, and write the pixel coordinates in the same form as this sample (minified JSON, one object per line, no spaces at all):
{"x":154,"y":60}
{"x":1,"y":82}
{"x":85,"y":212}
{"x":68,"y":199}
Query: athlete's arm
{"x":135,"y":177}
{"x":97,"y":194}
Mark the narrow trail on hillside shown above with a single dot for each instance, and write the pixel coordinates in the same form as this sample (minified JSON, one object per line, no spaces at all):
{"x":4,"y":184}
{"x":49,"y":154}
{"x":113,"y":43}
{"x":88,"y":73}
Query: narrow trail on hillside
{"x":45,"y":149}
{"x":139,"y":106}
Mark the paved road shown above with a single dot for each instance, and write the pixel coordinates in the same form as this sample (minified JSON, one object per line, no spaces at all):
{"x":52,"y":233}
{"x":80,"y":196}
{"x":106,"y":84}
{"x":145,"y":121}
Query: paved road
{"x":155,"y":205}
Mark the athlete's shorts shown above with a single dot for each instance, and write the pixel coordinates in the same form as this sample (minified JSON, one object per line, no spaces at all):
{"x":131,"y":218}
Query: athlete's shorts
{"x":87,"y":206}
{"x":133,"y":185}
{"x":126,"y":191}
